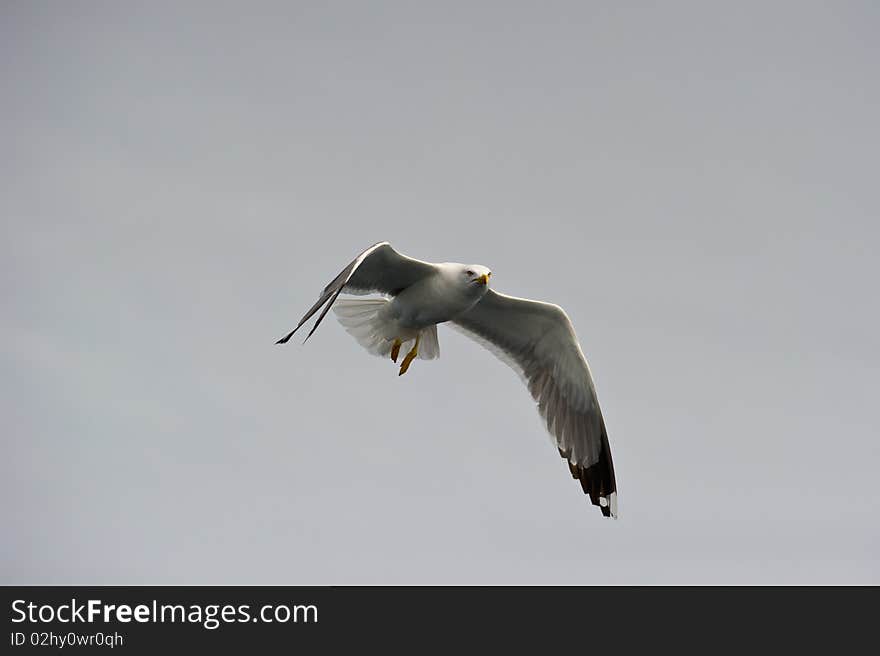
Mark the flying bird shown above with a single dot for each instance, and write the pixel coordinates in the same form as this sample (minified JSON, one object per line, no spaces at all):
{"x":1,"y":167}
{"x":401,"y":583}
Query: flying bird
{"x":536,"y":339}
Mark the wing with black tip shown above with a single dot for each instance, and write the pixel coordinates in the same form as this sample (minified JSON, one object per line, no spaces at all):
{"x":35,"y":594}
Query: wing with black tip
{"x":379,"y":269}
{"x":538,"y":341}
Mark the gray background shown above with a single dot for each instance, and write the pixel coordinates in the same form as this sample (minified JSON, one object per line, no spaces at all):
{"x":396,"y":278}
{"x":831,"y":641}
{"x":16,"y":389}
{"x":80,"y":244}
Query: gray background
{"x":696,"y":183}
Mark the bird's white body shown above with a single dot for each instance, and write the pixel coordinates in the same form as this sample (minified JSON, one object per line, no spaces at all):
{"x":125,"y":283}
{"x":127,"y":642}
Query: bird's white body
{"x":440,"y":298}
{"x":414,"y":313}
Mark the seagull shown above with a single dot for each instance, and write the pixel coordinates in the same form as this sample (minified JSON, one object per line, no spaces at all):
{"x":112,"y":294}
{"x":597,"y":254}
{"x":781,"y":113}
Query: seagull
{"x":534,"y":338}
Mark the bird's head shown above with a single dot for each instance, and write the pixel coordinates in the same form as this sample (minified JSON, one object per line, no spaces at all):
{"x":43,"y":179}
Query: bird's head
{"x":476,"y":274}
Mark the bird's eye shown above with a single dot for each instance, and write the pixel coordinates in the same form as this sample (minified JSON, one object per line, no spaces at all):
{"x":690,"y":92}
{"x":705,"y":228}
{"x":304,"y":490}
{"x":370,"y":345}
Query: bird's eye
{"x":469,"y":272}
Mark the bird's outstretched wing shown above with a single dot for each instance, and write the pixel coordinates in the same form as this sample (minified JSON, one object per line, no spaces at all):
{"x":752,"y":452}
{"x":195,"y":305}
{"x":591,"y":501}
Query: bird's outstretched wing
{"x":379,"y":269}
{"x":538,"y":341}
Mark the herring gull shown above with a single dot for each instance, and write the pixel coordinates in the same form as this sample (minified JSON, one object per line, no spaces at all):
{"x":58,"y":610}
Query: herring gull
{"x":536,"y":339}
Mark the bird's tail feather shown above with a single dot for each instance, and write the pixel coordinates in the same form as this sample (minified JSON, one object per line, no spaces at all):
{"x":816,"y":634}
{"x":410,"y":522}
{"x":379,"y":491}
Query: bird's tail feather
{"x":429,"y":345}
{"x":364,"y":319}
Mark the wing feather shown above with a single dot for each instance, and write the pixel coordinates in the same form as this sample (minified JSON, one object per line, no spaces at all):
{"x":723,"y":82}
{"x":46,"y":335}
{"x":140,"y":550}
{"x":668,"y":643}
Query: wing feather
{"x":378,"y":269}
{"x":538,"y":341}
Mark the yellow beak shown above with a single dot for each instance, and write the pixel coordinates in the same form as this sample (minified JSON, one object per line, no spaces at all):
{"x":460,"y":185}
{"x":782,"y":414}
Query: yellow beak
{"x":484,"y":279}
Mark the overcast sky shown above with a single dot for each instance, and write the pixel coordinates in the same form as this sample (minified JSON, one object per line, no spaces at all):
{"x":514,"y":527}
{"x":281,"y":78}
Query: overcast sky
{"x":695,"y":183}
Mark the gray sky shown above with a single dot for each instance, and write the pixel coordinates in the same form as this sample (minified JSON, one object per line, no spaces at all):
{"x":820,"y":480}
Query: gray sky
{"x":695,"y":183}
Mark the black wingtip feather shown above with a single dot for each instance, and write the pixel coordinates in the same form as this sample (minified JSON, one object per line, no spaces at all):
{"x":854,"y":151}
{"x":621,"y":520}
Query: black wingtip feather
{"x":597,"y":480}
{"x":286,"y":338}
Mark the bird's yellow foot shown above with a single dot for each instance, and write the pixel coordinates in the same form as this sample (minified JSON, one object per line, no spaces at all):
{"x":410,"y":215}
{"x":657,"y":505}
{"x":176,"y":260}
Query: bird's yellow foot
{"x":395,"y":350}
{"x":408,"y":360}
{"x":410,"y":356}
